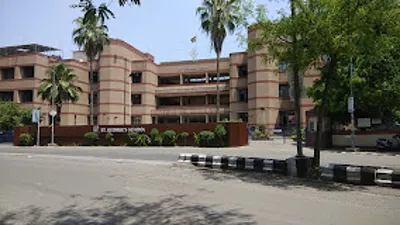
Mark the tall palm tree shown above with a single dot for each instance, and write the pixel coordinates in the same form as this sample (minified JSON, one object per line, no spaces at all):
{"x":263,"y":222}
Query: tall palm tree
{"x":64,"y":91}
{"x":91,"y":38}
{"x":103,"y":12}
{"x":218,"y":17}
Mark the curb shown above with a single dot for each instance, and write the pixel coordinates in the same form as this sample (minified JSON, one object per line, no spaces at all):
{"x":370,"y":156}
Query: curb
{"x":344,"y":173}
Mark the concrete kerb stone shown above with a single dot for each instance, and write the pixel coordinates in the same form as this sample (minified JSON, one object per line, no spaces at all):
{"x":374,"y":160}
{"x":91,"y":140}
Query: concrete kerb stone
{"x":344,"y":173}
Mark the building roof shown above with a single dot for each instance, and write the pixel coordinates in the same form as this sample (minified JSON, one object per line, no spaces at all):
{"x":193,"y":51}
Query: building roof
{"x":18,"y":49}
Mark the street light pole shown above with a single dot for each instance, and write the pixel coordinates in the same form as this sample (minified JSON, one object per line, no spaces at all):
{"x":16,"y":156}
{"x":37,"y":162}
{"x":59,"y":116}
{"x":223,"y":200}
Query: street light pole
{"x":353,"y":144}
{"x":52,"y":106}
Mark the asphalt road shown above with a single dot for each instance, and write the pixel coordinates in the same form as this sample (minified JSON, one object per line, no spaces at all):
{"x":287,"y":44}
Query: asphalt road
{"x":274,"y":149}
{"x":54,"y":189}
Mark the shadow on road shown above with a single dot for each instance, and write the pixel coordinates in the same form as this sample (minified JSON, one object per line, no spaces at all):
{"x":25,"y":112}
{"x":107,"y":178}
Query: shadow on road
{"x":274,"y":180}
{"x":110,"y":210}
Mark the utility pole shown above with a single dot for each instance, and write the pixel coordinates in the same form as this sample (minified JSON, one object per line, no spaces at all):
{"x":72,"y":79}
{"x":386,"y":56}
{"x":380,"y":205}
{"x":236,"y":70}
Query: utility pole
{"x":52,"y":113}
{"x":351,"y":107}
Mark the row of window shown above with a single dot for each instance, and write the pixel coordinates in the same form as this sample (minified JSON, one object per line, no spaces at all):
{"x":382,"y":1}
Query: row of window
{"x":25,"y":71}
{"x":24,"y":96}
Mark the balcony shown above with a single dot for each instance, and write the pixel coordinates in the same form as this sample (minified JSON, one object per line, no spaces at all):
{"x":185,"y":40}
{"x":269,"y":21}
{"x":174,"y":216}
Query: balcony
{"x":187,"y":90}
{"x":184,"y":110}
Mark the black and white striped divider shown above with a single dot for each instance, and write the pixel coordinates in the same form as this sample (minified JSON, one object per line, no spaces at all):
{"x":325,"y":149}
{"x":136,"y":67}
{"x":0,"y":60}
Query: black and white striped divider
{"x":387,"y":177}
{"x":348,"y":174}
{"x":235,"y":162}
{"x":298,"y":166}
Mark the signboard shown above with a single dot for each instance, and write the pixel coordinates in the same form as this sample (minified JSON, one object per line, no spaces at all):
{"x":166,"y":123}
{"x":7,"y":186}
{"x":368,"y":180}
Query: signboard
{"x":350,"y":104}
{"x":35,"y":115}
{"x":122,"y":129}
{"x":53,"y":113}
{"x":364,"y":122}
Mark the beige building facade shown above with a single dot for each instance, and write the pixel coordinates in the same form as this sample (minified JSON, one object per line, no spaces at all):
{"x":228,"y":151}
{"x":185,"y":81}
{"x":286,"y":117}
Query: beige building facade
{"x":130,"y":88}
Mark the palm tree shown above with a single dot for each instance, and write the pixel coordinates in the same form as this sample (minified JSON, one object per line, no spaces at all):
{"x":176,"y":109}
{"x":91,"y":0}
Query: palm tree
{"x":217,"y":18}
{"x":103,"y":12}
{"x":91,"y":37}
{"x":64,"y":90}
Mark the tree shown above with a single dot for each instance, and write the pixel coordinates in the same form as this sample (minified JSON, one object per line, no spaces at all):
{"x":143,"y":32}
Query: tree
{"x":218,"y":17}
{"x":285,"y":40}
{"x":13,"y":115}
{"x":64,"y":91}
{"x":91,"y":37}
{"x":102,"y":12}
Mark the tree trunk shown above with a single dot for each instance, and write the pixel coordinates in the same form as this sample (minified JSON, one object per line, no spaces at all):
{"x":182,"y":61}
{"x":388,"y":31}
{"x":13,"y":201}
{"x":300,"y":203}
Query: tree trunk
{"x":321,"y":111}
{"x":58,"y":116}
{"x":218,"y":103}
{"x":91,"y":92}
{"x":297,"y":90}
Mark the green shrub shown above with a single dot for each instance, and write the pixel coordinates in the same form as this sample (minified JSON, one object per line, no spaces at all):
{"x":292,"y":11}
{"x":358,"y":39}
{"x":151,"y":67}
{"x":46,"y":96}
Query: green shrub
{"x":138,"y":139}
{"x":260,"y":133}
{"x":110,"y":139}
{"x":294,"y":135}
{"x":132,"y":138}
{"x":143,"y":140}
{"x":196,"y":138}
{"x":91,"y":138}
{"x":158,"y":140}
{"x":220,"y":132}
{"x":205,"y":137}
{"x":154,"y":134}
{"x":184,"y":136}
{"x":231,"y":121}
{"x":169,"y":138}
{"x":26,"y":139}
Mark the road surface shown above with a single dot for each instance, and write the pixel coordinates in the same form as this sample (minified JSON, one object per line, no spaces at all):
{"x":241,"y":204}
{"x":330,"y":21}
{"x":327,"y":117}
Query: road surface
{"x":38,"y":189}
{"x":270,"y":149}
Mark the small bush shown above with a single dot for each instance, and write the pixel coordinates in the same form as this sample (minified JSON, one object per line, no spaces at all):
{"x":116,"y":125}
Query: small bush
{"x":205,"y":137}
{"x":26,"y":139}
{"x":154,"y":134}
{"x":138,"y":139}
{"x":169,"y":138}
{"x":294,"y":135}
{"x":184,"y":136}
{"x":260,"y":133}
{"x":158,"y":140}
{"x":196,"y":138}
{"x":220,"y":132}
{"x":132,"y":138}
{"x":143,"y":140}
{"x":110,"y":139}
{"x":91,"y":138}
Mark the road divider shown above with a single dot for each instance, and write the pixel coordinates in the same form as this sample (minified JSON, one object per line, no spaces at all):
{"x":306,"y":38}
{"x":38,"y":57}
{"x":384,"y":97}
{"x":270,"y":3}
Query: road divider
{"x":344,"y":173}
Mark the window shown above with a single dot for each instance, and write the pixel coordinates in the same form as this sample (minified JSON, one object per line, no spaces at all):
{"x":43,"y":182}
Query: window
{"x":26,"y":96}
{"x":243,"y":116}
{"x":95,"y":77}
{"x":94,"y":120}
{"x":7,"y":74}
{"x":136,"y":77}
{"x":242,"y":95}
{"x":27,"y":71}
{"x":7,"y":96}
{"x":284,"y":91}
{"x":95,"y":98}
{"x":222,"y":77}
{"x":242,"y":71}
{"x":136,"y":120}
{"x":136,"y":99}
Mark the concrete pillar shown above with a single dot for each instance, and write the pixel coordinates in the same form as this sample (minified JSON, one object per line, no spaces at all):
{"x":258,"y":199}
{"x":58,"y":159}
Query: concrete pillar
{"x":206,"y":77}
{"x":180,"y":119}
{"x":16,"y":97}
{"x":181,"y":101}
{"x":207,"y":119}
{"x":206,"y":99}
{"x":181,"y":78}
{"x":17,"y":73}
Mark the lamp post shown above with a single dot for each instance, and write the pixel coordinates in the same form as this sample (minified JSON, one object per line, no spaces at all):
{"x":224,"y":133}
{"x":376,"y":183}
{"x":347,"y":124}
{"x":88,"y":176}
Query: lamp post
{"x":52,"y":112}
